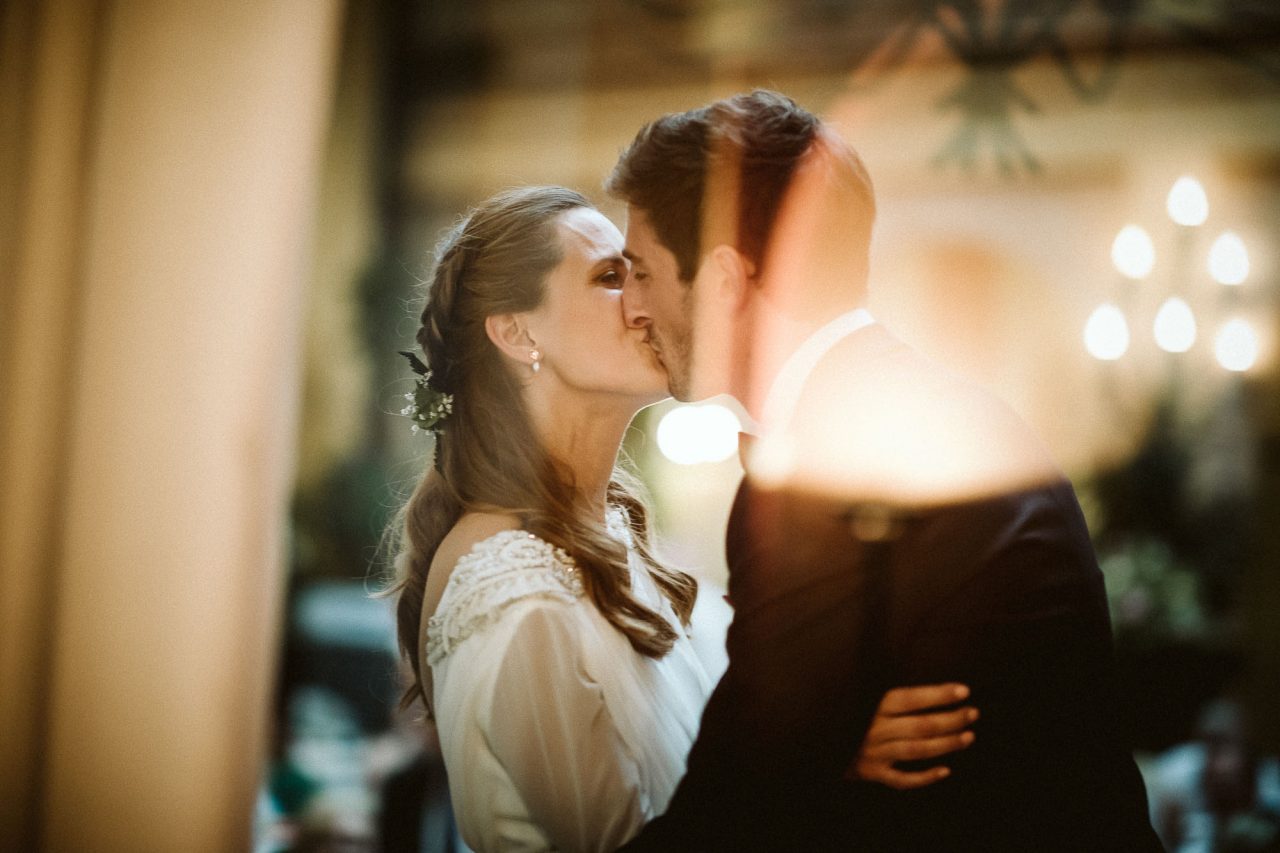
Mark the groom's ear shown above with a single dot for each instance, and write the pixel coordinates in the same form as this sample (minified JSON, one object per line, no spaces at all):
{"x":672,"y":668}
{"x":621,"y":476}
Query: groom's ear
{"x":510,"y":334}
{"x":734,"y":275}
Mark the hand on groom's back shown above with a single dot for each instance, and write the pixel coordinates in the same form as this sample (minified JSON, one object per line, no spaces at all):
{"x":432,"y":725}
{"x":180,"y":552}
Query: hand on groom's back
{"x":902,"y":731}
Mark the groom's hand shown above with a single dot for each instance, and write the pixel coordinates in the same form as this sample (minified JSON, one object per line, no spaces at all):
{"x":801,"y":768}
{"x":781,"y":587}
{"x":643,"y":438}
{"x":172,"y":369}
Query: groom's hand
{"x":901,"y":731}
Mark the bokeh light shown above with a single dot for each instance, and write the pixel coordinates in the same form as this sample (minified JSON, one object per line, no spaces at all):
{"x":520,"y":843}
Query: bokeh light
{"x":1175,"y":326}
{"x":1236,"y":345}
{"x":1106,"y":334}
{"x":1228,"y":259}
{"x":1133,"y":252}
{"x":690,"y":435}
{"x":1187,"y":204}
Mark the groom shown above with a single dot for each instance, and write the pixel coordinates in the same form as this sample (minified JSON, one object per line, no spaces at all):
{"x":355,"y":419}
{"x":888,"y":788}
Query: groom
{"x":895,"y":526}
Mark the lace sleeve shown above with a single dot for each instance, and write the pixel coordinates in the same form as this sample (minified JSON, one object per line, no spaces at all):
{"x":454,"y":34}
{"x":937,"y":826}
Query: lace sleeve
{"x":498,"y":572}
{"x":551,"y":730}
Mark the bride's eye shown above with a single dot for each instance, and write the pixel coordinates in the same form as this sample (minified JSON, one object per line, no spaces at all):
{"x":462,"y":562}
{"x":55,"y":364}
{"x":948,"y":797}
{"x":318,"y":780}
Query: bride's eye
{"x":611,"y":278}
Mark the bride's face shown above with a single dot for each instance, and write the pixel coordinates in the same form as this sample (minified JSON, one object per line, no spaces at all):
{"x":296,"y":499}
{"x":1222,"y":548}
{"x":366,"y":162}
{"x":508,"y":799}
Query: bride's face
{"x":579,"y":327}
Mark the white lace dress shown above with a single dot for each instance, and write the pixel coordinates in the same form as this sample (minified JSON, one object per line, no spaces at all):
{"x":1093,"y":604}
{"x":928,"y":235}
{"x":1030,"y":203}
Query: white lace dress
{"x":556,"y":734}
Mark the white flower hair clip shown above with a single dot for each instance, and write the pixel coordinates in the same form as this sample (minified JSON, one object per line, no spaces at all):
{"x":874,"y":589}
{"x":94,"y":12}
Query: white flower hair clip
{"x":427,"y":406}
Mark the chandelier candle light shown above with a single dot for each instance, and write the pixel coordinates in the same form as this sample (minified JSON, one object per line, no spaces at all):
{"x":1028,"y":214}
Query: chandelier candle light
{"x":1107,"y":333}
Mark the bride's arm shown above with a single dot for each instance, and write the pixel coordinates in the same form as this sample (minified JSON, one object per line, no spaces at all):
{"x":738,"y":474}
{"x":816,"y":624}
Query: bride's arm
{"x":551,"y":730}
{"x":914,"y":724}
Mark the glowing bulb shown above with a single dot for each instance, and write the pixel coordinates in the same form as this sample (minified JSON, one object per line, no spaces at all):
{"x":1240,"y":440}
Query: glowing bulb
{"x":1187,"y":203}
{"x":1175,"y":326}
{"x":1228,"y":259}
{"x":689,"y":435}
{"x":1106,"y":334}
{"x":1236,"y":346}
{"x":1133,"y":253}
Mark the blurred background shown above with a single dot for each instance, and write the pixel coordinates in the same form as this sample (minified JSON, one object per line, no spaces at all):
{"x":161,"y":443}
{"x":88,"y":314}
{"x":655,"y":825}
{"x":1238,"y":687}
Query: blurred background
{"x":216,"y":219}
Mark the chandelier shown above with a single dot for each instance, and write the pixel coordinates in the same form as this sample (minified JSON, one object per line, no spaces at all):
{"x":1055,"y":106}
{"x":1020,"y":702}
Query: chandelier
{"x":1176,"y":326}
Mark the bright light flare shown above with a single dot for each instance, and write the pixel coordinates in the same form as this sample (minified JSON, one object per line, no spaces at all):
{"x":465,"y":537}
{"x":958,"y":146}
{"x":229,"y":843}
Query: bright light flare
{"x":1236,"y":346}
{"x":1133,"y":253}
{"x":1175,"y":326}
{"x":1106,"y":334}
{"x":1228,"y":259}
{"x":690,"y":435}
{"x":1187,"y":204}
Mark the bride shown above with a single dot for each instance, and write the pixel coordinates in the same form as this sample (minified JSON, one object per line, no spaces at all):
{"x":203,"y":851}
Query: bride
{"x":546,"y":639}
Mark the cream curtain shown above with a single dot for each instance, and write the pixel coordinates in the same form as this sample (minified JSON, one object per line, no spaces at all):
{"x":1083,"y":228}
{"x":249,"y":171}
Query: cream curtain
{"x":158,"y":165}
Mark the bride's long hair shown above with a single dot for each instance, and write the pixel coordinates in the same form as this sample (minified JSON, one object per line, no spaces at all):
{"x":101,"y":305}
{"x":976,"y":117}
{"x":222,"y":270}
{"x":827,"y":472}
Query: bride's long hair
{"x":488,"y":458}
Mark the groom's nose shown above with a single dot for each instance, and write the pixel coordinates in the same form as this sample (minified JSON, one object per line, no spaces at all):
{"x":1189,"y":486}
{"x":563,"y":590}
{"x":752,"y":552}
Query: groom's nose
{"x":635,"y":311}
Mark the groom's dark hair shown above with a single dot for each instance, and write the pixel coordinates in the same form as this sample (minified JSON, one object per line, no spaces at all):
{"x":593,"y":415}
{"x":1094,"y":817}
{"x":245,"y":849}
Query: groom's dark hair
{"x":664,"y":171}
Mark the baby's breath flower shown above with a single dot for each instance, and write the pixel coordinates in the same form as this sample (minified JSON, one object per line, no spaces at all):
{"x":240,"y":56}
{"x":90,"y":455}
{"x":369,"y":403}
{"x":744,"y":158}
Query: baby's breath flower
{"x":427,"y":406}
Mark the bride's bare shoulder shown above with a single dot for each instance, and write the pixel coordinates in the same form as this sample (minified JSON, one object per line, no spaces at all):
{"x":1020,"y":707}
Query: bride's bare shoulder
{"x":473,"y":527}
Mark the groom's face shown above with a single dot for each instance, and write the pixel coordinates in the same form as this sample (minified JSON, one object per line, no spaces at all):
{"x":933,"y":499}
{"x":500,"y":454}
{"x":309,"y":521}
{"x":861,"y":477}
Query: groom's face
{"x":655,"y":299}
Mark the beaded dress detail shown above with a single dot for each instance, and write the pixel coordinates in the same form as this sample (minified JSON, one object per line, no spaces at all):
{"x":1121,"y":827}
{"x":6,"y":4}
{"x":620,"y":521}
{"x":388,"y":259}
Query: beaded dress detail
{"x":497,"y":572}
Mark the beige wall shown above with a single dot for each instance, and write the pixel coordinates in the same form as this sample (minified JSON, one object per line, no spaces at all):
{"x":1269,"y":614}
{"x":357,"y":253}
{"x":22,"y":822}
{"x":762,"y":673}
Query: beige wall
{"x":165,"y":156}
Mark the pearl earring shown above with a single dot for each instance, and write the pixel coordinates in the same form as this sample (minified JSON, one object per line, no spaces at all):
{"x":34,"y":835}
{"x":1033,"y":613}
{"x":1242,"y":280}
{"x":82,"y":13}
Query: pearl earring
{"x":535,"y":355}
